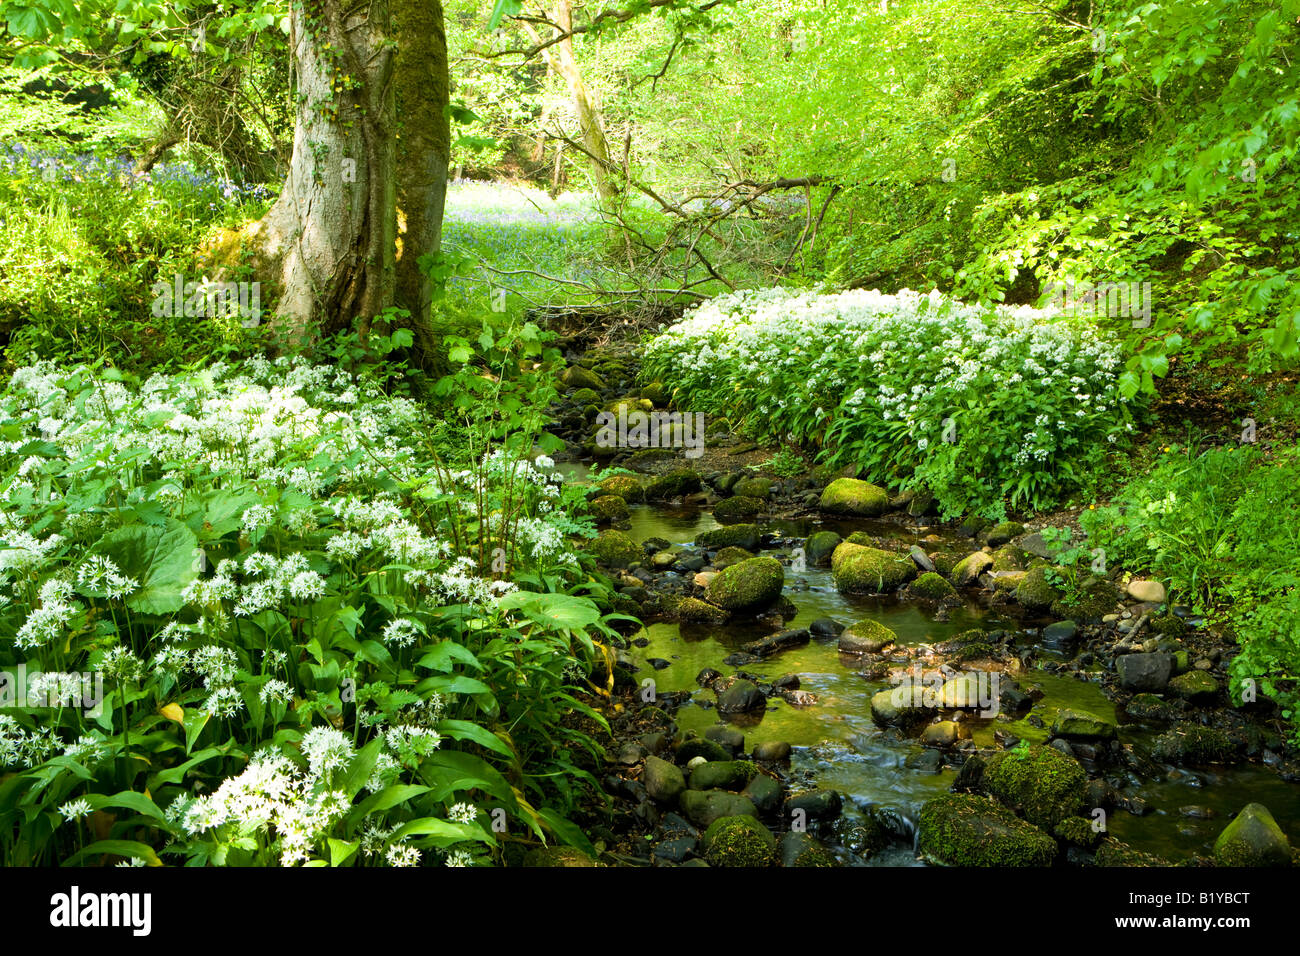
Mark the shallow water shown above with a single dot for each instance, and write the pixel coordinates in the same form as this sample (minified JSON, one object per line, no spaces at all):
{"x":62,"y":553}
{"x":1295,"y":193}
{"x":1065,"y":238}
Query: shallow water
{"x":837,"y":744}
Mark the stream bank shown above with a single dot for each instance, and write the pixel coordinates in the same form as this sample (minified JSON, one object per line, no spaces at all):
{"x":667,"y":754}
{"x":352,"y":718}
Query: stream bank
{"x":807,"y":641}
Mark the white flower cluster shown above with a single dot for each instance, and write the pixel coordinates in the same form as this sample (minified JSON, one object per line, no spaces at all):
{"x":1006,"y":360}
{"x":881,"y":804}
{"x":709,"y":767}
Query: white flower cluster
{"x":907,"y":358}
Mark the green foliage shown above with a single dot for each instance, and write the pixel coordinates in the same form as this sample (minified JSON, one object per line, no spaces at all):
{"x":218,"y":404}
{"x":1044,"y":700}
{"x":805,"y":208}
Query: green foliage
{"x":318,"y":641}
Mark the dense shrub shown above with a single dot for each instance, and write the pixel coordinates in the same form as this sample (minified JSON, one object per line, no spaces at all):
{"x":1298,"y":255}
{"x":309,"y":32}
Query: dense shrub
{"x":984,"y":406}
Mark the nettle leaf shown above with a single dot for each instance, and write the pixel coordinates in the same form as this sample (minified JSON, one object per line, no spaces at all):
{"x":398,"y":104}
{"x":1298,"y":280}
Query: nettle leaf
{"x":160,"y":558}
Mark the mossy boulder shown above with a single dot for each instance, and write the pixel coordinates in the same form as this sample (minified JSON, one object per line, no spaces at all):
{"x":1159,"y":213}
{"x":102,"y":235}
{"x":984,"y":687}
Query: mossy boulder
{"x":1194,"y":744}
{"x":703,"y":807}
{"x":805,"y":850}
{"x":1040,"y":783}
{"x":958,"y":829}
{"x":656,"y":394}
{"x":585,"y":396}
{"x":930,"y":587}
{"x":672,"y":484}
{"x":749,"y":585}
{"x":722,"y":775}
{"x":729,"y":556}
{"x":901,"y":706}
{"x":738,"y":841}
{"x":760,"y":488}
{"x":859,"y":569}
{"x":1034,"y":591}
{"x":695,"y":611}
{"x":866,"y":637}
{"x":819,"y":547}
{"x":745,"y":536}
{"x":615,"y":549}
{"x":575,"y":376}
{"x":1002,"y":533}
{"x":627,"y":487}
{"x":663,"y":781}
{"x":737,"y":509}
{"x":1076,"y":831}
{"x":1253,"y":838}
{"x":1009,"y":558}
{"x":1116,"y":853}
{"x":608,"y":508}
{"x":1082,"y":725}
{"x":850,"y":496}
{"x":967,"y":571}
{"x":1195,"y":687}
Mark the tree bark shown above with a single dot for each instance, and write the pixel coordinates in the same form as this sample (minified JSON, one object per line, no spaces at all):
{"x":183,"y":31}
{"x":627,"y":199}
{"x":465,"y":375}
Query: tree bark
{"x":332,"y":231}
{"x":423,"y":151}
{"x":591,"y":123}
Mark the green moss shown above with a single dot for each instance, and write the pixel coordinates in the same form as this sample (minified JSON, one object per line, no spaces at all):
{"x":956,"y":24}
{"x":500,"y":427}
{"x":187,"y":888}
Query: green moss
{"x":1040,"y":783}
{"x":958,"y":829}
{"x":1076,"y":831}
{"x":586,"y":396}
{"x":672,"y":484}
{"x":1195,"y":687}
{"x":1171,"y":626}
{"x":738,"y":841}
{"x":866,"y":637}
{"x":608,"y":508}
{"x":1034,"y":592}
{"x":754,"y":583}
{"x":1253,"y":838}
{"x":737,"y":509}
{"x":1000,"y":534}
{"x":575,"y":376}
{"x":722,"y":775}
{"x":745,"y":536}
{"x":1192,"y":743}
{"x":729,"y":556}
{"x":820,"y":546}
{"x":1115,"y":853}
{"x":849,"y":496}
{"x":1010,"y":558}
{"x":696,"y":611}
{"x":858,"y":569}
{"x":930,"y":587}
{"x":614,"y":549}
{"x":753,"y":487}
{"x":626,"y":487}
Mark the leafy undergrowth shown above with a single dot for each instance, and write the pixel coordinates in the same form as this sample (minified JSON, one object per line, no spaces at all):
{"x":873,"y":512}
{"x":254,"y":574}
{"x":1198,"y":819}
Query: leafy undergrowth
{"x":985,"y":407}
{"x":264,"y":621}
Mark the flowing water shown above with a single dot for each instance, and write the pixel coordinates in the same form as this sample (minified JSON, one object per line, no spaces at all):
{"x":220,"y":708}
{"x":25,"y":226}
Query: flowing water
{"x":837,"y":744}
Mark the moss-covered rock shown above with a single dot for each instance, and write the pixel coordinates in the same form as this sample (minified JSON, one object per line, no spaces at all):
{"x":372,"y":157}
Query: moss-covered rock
{"x":1082,"y":725}
{"x":729,"y":556}
{"x":1253,"y":838}
{"x":1195,"y":687}
{"x":672,"y":484}
{"x":608,"y":508}
{"x":745,"y":536}
{"x":749,"y":585}
{"x":858,"y":569}
{"x":930,"y":587}
{"x":737,"y":509}
{"x":656,"y":394}
{"x":760,"y":488}
{"x":614,"y":549}
{"x":967,"y":571}
{"x":1034,"y":592}
{"x":1076,"y":831}
{"x":849,"y":496}
{"x":902,"y":706}
{"x":804,"y":850}
{"x":958,"y":829}
{"x":1115,"y":853}
{"x":627,"y":487}
{"x":703,"y":807}
{"x":1002,"y":533}
{"x":577,"y":377}
{"x":866,"y":637}
{"x":722,"y":775}
{"x":1040,"y":783}
{"x":738,"y":841}
{"x":585,"y":396}
{"x":663,"y":781}
{"x":1150,"y":707}
{"x":695,"y":611}
{"x":1009,"y":558}
{"x":1194,"y":744}
{"x":820,"y":546}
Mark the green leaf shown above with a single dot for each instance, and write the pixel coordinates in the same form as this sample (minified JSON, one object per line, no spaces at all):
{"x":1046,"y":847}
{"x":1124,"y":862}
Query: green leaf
{"x":161,"y":559}
{"x":467,"y":730}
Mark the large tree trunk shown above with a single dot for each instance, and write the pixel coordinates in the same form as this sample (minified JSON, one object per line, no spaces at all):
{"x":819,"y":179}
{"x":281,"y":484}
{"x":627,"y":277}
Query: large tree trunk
{"x":423,"y":152}
{"x":332,"y":231}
